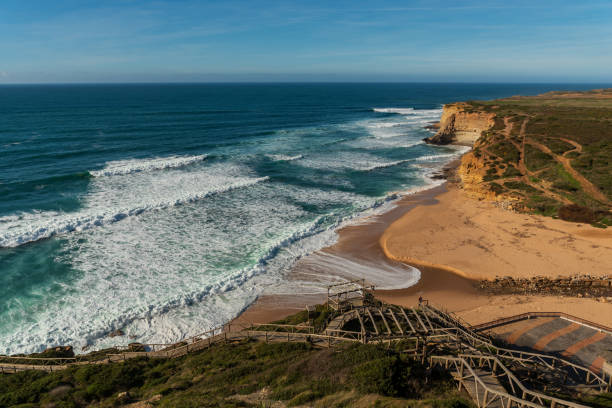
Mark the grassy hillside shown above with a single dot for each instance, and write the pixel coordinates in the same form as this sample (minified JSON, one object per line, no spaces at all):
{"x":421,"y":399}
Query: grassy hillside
{"x":245,"y":374}
{"x":553,"y":152}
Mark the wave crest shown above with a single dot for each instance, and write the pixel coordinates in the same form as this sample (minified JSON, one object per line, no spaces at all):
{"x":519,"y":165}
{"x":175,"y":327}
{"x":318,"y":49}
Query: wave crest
{"x":284,"y":157}
{"x":401,"y":111}
{"x":29,"y":227}
{"x":130,"y":166}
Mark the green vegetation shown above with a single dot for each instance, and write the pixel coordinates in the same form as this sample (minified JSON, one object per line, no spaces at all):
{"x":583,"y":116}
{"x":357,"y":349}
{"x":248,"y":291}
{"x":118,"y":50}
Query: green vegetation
{"x":544,"y":126}
{"x":535,"y":159}
{"x":506,"y":151}
{"x":518,"y":185}
{"x":511,"y":171}
{"x":317,"y":318}
{"x":496,"y":188}
{"x":543,"y":205}
{"x":564,"y":180}
{"x":558,"y":146}
{"x":603,"y":400}
{"x":244,"y":374}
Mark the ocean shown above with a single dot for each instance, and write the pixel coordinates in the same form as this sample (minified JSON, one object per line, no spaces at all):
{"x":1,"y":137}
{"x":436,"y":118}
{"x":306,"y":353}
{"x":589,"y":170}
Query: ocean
{"x":163,"y":210}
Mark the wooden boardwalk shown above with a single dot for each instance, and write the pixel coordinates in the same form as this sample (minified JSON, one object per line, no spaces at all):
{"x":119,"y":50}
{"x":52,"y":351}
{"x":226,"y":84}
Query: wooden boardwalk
{"x":483,"y":369}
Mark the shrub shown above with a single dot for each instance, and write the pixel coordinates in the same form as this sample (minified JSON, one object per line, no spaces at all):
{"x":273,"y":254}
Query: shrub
{"x":496,"y":188}
{"x":576,"y":213}
{"x":385,"y":376}
{"x":511,"y":171}
{"x":302,"y":398}
{"x":535,"y":159}
{"x":506,"y":151}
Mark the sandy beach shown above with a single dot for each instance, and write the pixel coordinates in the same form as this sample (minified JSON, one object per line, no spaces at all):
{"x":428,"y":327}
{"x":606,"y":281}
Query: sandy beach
{"x":455,"y":241}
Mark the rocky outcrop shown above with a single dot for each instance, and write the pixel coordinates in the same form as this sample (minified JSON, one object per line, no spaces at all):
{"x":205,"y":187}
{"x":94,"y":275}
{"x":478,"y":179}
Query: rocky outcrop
{"x":460,"y":125}
{"x":58,"y":352}
{"x":577,"y":286}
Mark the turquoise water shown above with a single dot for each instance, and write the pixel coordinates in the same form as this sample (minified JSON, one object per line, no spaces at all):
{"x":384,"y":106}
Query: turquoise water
{"x":163,"y":210}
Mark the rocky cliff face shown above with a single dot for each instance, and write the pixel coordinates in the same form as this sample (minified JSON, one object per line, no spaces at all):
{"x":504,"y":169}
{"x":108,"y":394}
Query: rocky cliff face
{"x":462,"y":124}
{"x":459,"y":125}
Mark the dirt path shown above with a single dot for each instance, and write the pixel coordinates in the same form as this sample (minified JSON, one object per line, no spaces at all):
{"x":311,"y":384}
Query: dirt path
{"x":528,"y":173}
{"x":507,"y":126}
{"x":584,"y":183}
{"x":577,"y":146}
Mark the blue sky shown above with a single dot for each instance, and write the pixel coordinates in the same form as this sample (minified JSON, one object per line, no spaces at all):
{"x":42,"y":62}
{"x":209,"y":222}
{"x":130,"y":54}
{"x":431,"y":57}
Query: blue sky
{"x":187,"y":40}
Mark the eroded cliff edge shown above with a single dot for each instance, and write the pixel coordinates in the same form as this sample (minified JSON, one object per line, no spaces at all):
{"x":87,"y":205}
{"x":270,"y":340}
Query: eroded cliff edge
{"x":548,"y":154}
{"x":461,"y":124}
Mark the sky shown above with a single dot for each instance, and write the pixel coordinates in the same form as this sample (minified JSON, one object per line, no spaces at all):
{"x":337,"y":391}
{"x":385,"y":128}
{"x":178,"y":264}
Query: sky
{"x":335,"y":40}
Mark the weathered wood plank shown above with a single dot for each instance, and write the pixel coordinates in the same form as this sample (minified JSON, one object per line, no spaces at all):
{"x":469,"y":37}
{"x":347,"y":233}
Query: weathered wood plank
{"x":372,"y":319}
{"x":419,"y":319}
{"x":396,"y":321}
{"x":407,"y":320}
{"x":384,"y":320}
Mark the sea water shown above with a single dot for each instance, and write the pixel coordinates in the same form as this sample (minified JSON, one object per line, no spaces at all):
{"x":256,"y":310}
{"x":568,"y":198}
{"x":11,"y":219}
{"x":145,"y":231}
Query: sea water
{"x":164,"y":210}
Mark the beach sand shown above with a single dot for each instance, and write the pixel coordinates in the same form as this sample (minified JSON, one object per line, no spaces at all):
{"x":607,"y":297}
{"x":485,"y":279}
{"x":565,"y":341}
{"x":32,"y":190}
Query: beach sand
{"x":454,"y":240}
{"x":479,"y":240}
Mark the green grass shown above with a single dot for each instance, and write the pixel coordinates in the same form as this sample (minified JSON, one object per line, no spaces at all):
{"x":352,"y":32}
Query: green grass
{"x":558,"y":146}
{"x":543,"y":205}
{"x":506,"y":151}
{"x":511,"y":171}
{"x":535,"y":159}
{"x":565,"y":181}
{"x":295,"y":373}
{"x":519,"y":185}
{"x":496,"y":188}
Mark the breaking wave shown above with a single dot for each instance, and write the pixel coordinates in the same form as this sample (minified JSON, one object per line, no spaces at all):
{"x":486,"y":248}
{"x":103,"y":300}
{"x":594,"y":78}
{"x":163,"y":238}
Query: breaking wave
{"x":284,"y":157}
{"x":109,"y":201}
{"x":401,"y":111}
{"x":130,"y":166}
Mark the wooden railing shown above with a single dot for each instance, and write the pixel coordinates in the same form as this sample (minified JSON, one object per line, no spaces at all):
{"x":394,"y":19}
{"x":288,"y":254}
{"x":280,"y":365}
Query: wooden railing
{"x":518,"y":395}
{"x":549,"y":361}
{"x":529,"y":315}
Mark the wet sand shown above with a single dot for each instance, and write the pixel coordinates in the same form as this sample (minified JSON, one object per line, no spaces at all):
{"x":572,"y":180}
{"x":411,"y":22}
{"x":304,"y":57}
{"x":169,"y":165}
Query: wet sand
{"x":454,"y":240}
{"x":358,"y":247}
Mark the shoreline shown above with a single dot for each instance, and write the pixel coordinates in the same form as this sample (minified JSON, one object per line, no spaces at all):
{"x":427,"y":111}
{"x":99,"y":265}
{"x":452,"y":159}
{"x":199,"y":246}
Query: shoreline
{"x":441,"y":215}
{"x":357,"y":244}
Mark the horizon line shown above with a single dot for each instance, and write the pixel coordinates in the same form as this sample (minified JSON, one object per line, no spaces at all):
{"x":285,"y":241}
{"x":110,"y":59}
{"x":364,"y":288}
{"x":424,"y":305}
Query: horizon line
{"x":304,"y":82}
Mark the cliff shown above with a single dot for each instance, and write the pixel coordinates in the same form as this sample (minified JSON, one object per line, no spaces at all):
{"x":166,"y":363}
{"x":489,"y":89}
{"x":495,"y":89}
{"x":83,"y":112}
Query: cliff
{"x":460,"y":125}
{"x":547,"y":154}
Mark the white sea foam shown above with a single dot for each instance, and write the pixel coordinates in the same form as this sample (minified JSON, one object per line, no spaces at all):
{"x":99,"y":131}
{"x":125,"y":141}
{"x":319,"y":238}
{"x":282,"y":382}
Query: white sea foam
{"x":198,"y":249}
{"x":387,"y":275}
{"x":411,"y":111}
{"x":347,"y":160}
{"x":401,"y":111}
{"x":284,"y":157}
{"x":434,"y":157}
{"x":385,"y":164}
{"x":176,"y":272}
{"x":122,"y":167}
{"x":378,"y":125}
{"x":113,"y":199}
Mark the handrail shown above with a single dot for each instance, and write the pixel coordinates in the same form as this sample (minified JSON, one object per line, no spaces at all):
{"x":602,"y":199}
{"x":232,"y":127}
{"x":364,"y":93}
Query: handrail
{"x":284,"y":326}
{"x":476,"y":377}
{"x":516,"y":381}
{"x":38,"y":358}
{"x":528,"y":315}
{"x":588,"y":372}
